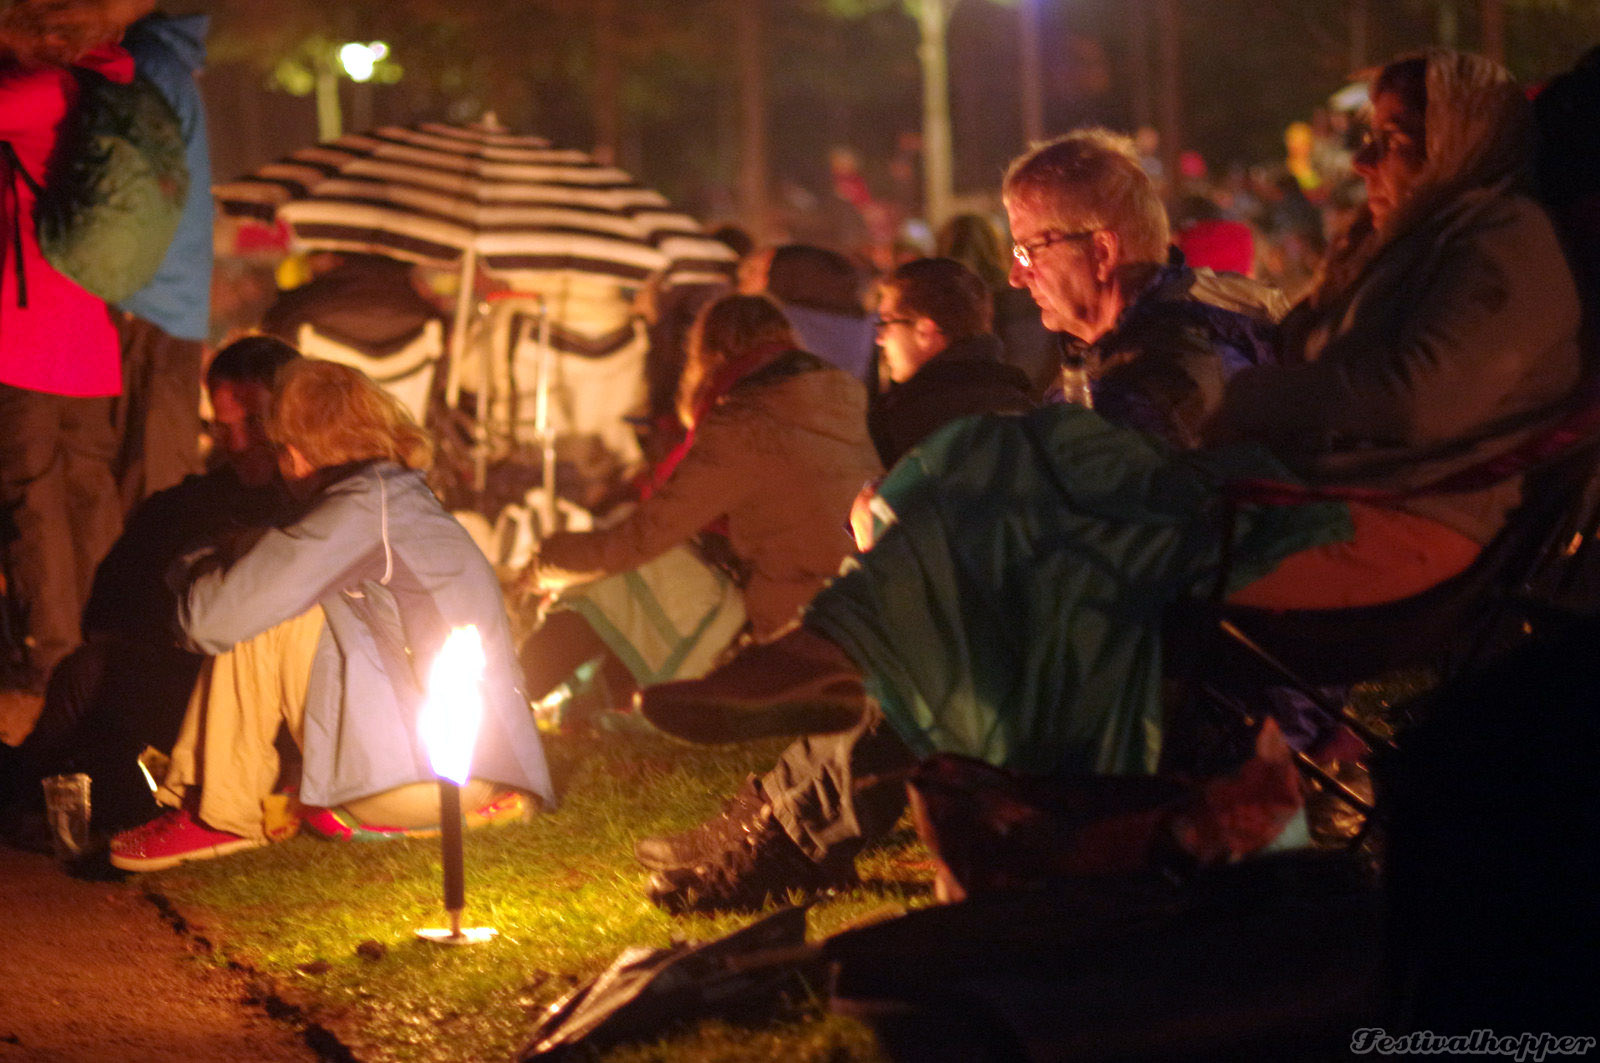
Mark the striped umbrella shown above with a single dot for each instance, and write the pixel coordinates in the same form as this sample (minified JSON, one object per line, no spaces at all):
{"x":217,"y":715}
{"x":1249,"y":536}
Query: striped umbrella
{"x":480,"y":197}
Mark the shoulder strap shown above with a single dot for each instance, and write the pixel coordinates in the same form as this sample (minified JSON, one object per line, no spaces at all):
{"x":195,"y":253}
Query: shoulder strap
{"x":11,"y":203}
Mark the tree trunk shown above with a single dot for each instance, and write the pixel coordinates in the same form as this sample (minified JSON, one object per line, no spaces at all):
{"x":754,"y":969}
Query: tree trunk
{"x":1141,"y":104}
{"x":1170,"y":27}
{"x":933,"y":23}
{"x":1447,"y":23}
{"x":607,"y":83}
{"x":1492,"y":17}
{"x":748,"y":19}
{"x":330,"y":116}
{"x":1360,"y":34}
{"x":1032,"y":71}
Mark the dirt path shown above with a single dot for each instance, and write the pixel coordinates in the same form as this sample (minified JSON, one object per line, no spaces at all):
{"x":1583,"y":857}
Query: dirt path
{"x":89,"y":973}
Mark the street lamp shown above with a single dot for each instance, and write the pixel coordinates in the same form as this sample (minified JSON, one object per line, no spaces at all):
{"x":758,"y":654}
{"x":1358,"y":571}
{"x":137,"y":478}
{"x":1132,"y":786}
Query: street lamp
{"x":359,"y":61}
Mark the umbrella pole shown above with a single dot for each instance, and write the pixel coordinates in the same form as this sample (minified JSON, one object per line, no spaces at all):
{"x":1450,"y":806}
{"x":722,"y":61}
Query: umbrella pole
{"x":458,"y":327}
{"x":467,"y":286}
{"x":547,"y":438}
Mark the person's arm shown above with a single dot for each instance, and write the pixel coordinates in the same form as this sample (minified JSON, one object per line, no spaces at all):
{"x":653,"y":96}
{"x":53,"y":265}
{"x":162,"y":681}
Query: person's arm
{"x":1498,"y":302}
{"x":287,"y":572}
{"x":717,"y":472}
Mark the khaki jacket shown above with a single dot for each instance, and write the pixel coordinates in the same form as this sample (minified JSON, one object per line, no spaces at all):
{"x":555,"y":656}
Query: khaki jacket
{"x":782,"y":457}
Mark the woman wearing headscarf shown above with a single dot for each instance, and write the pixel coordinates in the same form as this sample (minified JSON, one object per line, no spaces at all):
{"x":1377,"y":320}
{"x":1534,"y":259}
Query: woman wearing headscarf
{"x":1442,"y":332}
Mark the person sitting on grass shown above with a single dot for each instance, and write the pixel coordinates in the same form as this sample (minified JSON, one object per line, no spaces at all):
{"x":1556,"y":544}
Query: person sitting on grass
{"x":326,"y":627}
{"x":127,"y":685}
{"x":761,"y":488}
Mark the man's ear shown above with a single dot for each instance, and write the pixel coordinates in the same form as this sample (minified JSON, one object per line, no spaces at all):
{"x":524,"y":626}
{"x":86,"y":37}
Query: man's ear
{"x":1105,"y":247}
{"x":930,"y":337}
{"x":299,"y":467}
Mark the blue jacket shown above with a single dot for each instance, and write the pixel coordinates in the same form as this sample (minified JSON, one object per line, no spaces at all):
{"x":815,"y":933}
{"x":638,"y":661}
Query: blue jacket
{"x":170,"y":51}
{"x":394,"y":573}
{"x":845,"y":342}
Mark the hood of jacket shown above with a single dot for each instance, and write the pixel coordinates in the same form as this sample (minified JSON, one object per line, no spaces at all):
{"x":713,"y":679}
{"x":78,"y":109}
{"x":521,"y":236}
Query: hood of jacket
{"x":846,"y":342}
{"x":182,"y":35}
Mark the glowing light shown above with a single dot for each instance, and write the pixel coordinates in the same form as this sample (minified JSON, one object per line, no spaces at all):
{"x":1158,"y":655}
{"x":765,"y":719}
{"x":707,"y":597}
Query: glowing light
{"x":361,"y":60}
{"x":454,"y":704}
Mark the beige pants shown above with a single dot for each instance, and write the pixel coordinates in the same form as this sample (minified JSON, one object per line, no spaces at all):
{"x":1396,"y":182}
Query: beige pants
{"x":225,"y":746}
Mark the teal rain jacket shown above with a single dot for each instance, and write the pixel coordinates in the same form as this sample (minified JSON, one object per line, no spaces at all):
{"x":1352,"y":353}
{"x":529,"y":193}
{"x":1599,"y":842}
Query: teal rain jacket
{"x":1011,"y":608}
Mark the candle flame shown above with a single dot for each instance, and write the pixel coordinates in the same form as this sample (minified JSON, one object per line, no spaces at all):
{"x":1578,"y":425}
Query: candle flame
{"x":454,"y":704}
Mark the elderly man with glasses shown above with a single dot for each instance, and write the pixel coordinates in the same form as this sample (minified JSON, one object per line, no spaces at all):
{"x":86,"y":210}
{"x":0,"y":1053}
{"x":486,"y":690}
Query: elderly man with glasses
{"x":1093,"y":248}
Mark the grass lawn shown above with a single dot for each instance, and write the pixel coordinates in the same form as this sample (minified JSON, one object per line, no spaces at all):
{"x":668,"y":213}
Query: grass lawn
{"x":563,"y":891}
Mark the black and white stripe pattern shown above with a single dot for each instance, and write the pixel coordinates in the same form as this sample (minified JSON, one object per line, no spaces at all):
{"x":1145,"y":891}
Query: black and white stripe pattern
{"x":428,"y":193}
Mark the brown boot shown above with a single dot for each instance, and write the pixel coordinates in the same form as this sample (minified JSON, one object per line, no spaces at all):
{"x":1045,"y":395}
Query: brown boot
{"x":800,"y":683}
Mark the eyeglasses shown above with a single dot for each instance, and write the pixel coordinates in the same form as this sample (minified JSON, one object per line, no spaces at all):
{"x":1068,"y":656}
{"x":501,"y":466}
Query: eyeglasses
{"x":881,"y":323}
{"x":1024,"y":252}
{"x":1381,"y":143}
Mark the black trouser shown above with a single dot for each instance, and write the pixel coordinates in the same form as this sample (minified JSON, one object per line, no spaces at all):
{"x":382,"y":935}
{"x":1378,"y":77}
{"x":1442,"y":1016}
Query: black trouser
{"x":107,"y":701}
{"x":836,"y":794}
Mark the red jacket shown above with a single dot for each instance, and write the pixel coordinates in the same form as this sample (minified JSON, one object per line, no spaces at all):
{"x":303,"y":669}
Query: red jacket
{"x":63,"y":342}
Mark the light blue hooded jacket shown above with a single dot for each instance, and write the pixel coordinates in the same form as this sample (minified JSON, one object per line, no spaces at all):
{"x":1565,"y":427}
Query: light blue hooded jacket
{"x":394,"y":573}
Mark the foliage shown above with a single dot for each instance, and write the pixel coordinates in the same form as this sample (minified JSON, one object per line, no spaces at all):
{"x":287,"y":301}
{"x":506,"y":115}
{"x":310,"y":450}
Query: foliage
{"x":845,"y":72}
{"x":562,"y":890}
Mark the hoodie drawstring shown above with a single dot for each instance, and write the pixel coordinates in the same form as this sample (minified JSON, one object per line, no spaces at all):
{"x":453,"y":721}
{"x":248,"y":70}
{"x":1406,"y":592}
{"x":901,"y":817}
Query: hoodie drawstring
{"x":383,"y":533}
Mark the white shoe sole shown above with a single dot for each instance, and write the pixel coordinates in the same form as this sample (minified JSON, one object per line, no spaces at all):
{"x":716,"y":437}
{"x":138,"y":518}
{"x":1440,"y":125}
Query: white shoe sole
{"x":161,"y":863}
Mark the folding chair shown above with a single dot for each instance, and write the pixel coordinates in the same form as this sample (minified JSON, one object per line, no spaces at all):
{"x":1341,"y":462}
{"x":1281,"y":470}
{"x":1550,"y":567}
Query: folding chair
{"x":406,"y":373}
{"x":1541,"y":571}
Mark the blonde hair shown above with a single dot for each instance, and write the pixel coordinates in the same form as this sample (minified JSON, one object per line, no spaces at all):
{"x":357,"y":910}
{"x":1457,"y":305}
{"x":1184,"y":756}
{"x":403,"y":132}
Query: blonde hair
{"x":1091,"y":179}
{"x":725,"y":331}
{"x":335,"y":415}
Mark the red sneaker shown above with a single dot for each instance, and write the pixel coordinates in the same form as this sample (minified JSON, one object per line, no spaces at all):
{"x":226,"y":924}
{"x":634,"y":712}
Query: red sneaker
{"x":170,"y":839}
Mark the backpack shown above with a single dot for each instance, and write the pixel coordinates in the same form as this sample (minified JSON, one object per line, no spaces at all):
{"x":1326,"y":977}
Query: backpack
{"x":115,"y":187}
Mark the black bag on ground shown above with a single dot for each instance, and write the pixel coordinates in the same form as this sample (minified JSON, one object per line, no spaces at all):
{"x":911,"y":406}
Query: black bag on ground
{"x":645,"y":992}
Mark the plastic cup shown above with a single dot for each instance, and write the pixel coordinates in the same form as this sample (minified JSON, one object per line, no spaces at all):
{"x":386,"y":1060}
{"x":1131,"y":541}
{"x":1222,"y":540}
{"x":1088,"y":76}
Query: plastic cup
{"x":66,"y":804}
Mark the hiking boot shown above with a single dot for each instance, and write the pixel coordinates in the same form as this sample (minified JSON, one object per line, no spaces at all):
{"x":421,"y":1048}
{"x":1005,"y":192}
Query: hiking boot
{"x":800,"y":683}
{"x":172,"y":838}
{"x":740,"y":816}
{"x":761,"y":863}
